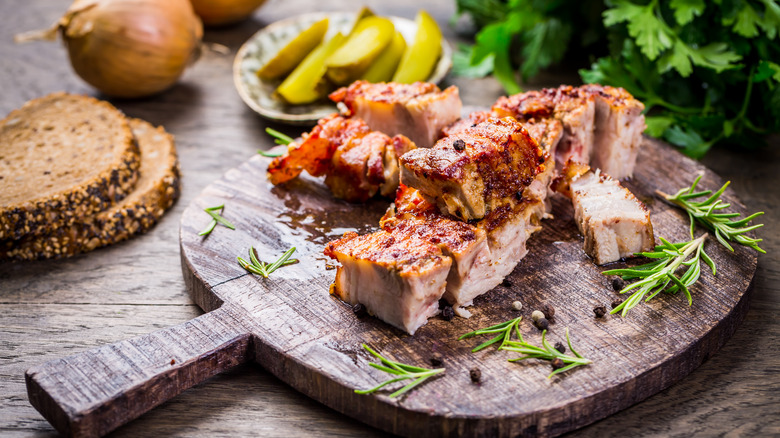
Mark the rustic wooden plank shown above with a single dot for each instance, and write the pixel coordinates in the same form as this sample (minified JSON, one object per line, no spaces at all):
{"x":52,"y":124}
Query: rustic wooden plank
{"x":92,"y":393}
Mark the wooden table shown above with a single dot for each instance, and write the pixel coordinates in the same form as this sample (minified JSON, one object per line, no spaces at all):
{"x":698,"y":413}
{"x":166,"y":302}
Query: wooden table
{"x":52,"y":309}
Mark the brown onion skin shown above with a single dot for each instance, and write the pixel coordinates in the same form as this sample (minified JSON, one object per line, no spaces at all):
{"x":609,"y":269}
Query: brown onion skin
{"x":131,"y":48}
{"x":224,"y":12}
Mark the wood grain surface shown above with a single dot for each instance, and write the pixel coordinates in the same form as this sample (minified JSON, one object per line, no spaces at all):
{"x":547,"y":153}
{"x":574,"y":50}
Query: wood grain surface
{"x":50,"y":310}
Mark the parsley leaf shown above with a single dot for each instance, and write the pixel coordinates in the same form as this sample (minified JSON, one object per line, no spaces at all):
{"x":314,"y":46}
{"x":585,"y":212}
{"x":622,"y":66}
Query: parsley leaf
{"x":686,"y":10}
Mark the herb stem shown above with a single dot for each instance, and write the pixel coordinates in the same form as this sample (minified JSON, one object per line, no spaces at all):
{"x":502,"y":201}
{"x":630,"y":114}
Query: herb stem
{"x":403,"y":371}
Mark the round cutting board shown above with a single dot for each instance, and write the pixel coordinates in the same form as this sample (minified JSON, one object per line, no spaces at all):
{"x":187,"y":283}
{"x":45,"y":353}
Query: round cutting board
{"x":291,"y":325}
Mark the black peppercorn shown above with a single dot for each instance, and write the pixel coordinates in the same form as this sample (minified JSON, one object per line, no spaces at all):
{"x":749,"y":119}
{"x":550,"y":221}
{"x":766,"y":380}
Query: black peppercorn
{"x":459,"y":145}
{"x":506,"y":283}
{"x":600,"y":311}
{"x":548,"y":310}
{"x":618,"y":284}
{"x":359,"y":310}
{"x":559,"y":346}
{"x":448,"y":313}
{"x":542,"y":324}
{"x":557,"y":363}
{"x":616,"y":303}
{"x":475,"y":375}
{"x":519,"y":195}
{"x":436,"y":361}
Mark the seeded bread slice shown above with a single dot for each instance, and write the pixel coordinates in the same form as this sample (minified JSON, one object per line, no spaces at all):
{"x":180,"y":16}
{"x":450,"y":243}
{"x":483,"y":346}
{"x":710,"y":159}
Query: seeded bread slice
{"x":155,"y":192}
{"x":63,"y":157}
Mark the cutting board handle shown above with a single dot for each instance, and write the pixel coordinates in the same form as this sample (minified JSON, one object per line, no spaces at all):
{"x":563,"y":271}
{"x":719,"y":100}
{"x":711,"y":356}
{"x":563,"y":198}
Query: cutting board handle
{"x":94,"y":392}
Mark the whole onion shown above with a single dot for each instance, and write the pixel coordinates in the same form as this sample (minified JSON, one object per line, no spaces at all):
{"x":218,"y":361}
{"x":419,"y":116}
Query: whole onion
{"x":221,"y":12}
{"x":130,"y":48}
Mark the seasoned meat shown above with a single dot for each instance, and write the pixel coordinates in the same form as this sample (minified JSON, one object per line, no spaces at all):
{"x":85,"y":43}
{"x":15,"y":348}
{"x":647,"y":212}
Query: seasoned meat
{"x":483,"y":253}
{"x":418,"y":111}
{"x":618,"y":130}
{"x":477,"y":169}
{"x":357,"y":162}
{"x":399,"y":276}
{"x":614,"y":222}
{"x":574,"y":109}
{"x":602,"y":125}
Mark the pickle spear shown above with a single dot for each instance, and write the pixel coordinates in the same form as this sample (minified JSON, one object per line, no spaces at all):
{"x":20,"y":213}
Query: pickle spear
{"x":294,"y":52}
{"x":420,"y":58}
{"x":383,"y":67}
{"x":370,"y":36}
{"x":307,"y":83}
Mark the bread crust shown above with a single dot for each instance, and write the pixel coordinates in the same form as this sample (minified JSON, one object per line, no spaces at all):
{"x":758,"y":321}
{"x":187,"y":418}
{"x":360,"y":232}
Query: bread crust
{"x":42,"y":215}
{"x":132,"y":216}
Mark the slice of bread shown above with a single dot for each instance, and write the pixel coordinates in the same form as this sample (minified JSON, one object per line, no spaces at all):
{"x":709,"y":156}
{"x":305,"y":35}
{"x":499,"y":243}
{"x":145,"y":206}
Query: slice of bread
{"x":63,"y":157}
{"x":155,"y":192}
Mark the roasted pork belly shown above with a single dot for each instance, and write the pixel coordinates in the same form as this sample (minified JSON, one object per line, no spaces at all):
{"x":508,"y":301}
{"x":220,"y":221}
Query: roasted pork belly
{"x":476,"y":169}
{"x":618,"y":130}
{"x":418,"y":111}
{"x":397,"y":275}
{"x":574,"y":109}
{"x":613,"y":221}
{"x":357,"y":162}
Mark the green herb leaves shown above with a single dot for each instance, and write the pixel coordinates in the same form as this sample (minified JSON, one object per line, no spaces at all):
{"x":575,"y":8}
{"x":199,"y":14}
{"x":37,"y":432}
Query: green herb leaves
{"x":545,"y":352}
{"x":404,"y":372}
{"x":709,"y":70}
{"x":660,"y":275}
{"x":279,"y":138}
{"x":728,"y":227}
{"x":256,"y":266}
{"x":215,"y":212}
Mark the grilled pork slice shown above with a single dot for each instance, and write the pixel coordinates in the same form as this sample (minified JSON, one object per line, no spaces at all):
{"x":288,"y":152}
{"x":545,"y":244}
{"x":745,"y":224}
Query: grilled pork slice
{"x":466,"y":244}
{"x":477,"y":169}
{"x":574,"y":108}
{"x":357,"y":162}
{"x":483,"y":253}
{"x":418,"y":111}
{"x":618,"y":131}
{"x":614,"y":222}
{"x":397,"y":275}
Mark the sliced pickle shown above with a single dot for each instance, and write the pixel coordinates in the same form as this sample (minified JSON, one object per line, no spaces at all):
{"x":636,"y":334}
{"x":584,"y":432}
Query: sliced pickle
{"x":294,"y":52}
{"x":420,"y":58}
{"x":383,"y":67}
{"x":307,"y":83}
{"x":370,"y":36}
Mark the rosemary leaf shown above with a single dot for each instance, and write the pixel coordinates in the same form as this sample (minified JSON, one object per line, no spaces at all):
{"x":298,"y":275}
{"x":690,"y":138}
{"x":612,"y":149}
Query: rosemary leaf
{"x":256,"y":266}
{"x":656,"y":276}
{"x":214,"y":212}
{"x":708,"y":214}
{"x":546,"y":352}
{"x":403,"y":371}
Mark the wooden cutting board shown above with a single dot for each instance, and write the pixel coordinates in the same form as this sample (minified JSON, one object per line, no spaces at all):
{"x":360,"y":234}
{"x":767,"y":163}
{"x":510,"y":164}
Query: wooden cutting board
{"x":290,"y":324}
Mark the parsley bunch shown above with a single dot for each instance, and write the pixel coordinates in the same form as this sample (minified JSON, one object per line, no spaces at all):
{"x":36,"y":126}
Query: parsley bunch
{"x":708,"y":72}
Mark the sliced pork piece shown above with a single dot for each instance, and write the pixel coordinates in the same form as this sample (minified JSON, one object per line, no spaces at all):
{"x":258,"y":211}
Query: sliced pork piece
{"x":397,"y":275}
{"x":357,"y":162}
{"x":466,"y":244}
{"x":483,"y":253}
{"x":614,"y":222}
{"x":477,"y":169}
{"x":618,"y":131}
{"x":573,"y":107}
{"x":418,"y":111}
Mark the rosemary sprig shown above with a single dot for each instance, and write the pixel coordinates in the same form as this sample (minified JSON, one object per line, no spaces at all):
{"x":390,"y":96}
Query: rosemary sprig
{"x":279,"y":138}
{"x":707,"y":213}
{"x":546,"y":352}
{"x":503,"y":330}
{"x":403,"y":371}
{"x":660,"y":275}
{"x":215,"y":217}
{"x":255,"y":266}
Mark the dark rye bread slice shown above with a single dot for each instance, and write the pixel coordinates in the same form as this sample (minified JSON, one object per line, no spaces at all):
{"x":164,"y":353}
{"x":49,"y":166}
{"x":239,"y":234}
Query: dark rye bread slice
{"x":63,"y":157}
{"x":155,"y":192}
